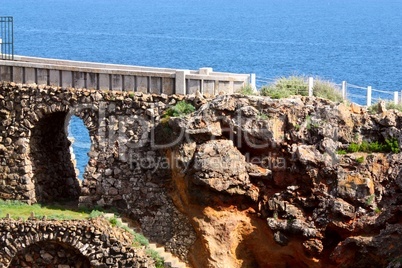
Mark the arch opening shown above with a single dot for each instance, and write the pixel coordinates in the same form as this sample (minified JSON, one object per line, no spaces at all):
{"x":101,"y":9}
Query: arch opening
{"x":54,"y":173}
{"x":79,"y":136}
{"x":49,"y":254}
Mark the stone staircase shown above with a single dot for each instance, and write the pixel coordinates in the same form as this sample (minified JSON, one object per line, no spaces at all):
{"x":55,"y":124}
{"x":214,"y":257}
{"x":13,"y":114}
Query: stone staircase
{"x":169,"y":259}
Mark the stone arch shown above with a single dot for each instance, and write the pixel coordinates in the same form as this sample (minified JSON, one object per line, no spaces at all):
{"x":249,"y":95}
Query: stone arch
{"x":53,"y":171}
{"x":49,"y":253}
{"x":91,"y":242}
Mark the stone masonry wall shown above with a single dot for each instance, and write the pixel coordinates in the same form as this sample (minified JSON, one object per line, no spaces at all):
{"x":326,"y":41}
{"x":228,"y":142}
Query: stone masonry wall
{"x":123,"y":170}
{"x":37,"y":243}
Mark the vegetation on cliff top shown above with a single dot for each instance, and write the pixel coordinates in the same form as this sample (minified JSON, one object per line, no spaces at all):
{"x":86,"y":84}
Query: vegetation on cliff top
{"x":389,"y":105}
{"x":285,"y":87}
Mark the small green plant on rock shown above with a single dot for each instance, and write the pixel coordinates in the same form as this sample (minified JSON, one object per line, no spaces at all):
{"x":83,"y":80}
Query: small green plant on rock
{"x":360,"y":159}
{"x":341,"y":152}
{"x":262,"y":116}
{"x":159,"y":262}
{"x":377,"y":210}
{"x":95,"y":214}
{"x":181,"y":108}
{"x":390,"y":145}
{"x":370,"y":200}
{"x":113,"y":221}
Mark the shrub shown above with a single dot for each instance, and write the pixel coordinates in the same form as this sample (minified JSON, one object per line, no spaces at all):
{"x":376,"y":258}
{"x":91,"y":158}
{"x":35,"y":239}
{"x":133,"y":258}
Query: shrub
{"x":327,"y":90}
{"x":247,"y":90}
{"x":353,"y":148}
{"x":390,"y":105}
{"x":181,"y":108}
{"x":285,"y":87}
{"x":390,"y":145}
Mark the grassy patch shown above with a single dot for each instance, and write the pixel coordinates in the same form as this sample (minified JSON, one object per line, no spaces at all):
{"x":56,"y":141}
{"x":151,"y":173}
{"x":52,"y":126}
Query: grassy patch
{"x":285,"y":87}
{"x":18,"y":209}
{"x":327,"y":90}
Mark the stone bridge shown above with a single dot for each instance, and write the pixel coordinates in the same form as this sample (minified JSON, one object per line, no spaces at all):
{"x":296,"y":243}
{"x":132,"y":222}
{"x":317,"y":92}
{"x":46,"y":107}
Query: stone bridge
{"x":84,"y":244}
{"x":126,"y":135}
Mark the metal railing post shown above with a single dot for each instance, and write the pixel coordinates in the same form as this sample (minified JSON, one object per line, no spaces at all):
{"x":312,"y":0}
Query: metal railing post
{"x":310,"y":86}
{"x":344,"y":87}
{"x":396,"y":98}
{"x":253,"y":81}
{"x":369,"y":91}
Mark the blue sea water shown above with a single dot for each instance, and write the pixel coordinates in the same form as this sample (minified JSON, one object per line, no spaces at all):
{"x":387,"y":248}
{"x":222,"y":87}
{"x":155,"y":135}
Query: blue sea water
{"x":359,"y":41}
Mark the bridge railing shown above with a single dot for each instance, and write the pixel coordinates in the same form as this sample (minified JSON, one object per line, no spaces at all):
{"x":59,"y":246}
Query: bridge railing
{"x":65,"y":73}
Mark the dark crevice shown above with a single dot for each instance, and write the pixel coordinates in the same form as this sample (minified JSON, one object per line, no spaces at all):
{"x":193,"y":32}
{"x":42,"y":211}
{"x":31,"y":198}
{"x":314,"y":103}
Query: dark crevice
{"x":54,"y":173}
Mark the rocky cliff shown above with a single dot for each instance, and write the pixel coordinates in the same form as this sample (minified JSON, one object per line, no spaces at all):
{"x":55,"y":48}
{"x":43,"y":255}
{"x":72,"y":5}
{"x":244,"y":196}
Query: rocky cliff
{"x":270,"y":183}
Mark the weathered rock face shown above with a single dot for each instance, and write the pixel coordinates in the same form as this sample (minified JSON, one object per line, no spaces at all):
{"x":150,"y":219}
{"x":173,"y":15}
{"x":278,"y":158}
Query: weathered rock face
{"x":262,"y":177}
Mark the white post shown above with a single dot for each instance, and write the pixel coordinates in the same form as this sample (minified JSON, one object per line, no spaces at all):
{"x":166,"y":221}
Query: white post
{"x":396,"y":97}
{"x":369,"y":96}
{"x":310,"y":86}
{"x":344,"y":86}
{"x":252,"y":81}
{"x":401,"y":97}
{"x":1,"y":46}
{"x":181,"y":87}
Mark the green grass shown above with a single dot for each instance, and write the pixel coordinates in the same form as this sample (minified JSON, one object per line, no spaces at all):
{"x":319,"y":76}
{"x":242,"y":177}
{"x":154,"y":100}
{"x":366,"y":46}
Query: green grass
{"x":360,"y":159}
{"x":341,"y":152}
{"x":159,"y":262}
{"x":285,"y":87}
{"x":18,"y":209}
